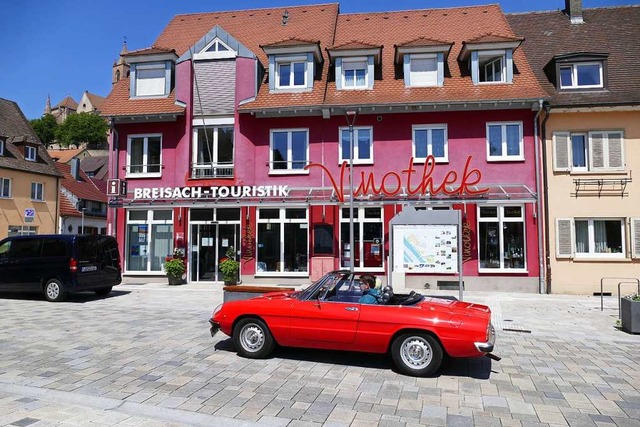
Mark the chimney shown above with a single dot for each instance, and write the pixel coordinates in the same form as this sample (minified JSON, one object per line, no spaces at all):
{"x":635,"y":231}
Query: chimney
{"x":75,"y":169}
{"x":573,"y":8}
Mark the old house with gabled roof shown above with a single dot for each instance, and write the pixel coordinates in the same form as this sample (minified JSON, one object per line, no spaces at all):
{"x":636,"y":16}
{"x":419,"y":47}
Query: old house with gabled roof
{"x":586,"y":59}
{"x":83,"y":206}
{"x":29,"y":181}
{"x":236,"y":131}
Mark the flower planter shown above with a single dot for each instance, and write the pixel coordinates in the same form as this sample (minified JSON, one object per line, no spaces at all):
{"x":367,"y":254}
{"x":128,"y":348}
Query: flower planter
{"x":175,"y":280}
{"x":630,"y":315}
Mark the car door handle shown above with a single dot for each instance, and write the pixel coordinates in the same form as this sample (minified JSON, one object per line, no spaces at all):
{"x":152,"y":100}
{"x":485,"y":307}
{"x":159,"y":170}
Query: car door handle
{"x":351,"y":308}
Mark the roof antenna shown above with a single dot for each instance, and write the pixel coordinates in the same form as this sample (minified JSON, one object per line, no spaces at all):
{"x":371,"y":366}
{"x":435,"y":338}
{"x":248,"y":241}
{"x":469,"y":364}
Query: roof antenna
{"x":285,"y":17}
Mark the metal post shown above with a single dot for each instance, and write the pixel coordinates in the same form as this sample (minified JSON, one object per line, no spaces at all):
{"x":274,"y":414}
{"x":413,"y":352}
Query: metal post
{"x":82,"y":222}
{"x":351,"y":119}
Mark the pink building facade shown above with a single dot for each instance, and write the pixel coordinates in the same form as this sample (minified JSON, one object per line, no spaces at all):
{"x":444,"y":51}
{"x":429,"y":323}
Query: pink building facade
{"x":232,"y":145}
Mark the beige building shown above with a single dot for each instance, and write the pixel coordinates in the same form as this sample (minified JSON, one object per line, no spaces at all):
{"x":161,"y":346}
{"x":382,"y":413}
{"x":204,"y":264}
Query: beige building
{"x":587,"y":61}
{"x":29,"y":182}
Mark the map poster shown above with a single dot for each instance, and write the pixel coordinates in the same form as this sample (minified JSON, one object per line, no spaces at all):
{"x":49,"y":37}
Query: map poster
{"x":425,"y":248}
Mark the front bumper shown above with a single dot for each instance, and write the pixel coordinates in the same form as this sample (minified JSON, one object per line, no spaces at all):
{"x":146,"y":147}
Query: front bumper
{"x":487,"y":347}
{"x":215,"y":327}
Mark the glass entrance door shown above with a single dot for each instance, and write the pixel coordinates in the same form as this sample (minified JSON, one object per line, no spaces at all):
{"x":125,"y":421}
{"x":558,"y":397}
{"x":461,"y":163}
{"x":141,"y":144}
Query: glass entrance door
{"x":210,"y":243}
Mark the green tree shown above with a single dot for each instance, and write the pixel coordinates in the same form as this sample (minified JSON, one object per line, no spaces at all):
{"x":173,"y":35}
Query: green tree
{"x":83,"y":127}
{"x":45,"y":127}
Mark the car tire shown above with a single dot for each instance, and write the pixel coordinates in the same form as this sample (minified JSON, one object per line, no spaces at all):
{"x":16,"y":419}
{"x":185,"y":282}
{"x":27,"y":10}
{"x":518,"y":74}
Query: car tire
{"x":417,"y":354}
{"x":103,"y":291}
{"x":252,"y":339}
{"x":54,"y":290}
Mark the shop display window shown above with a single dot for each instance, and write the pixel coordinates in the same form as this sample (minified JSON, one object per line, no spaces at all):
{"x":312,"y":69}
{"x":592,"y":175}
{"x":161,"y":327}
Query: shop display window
{"x":368,"y":251}
{"x":283,"y":240}
{"x":501,"y":238}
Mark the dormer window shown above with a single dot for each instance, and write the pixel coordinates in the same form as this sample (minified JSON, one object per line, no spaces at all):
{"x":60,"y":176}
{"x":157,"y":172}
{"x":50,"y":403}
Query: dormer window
{"x":291,"y":73}
{"x":293,"y":64}
{"x":216,"y":49}
{"x":151,"y":72}
{"x":355,"y":64}
{"x":30,"y":153}
{"x":1,"y":147}
{"x":490,"y":58}
{"x":354,"y":73}
{"x":423,"y":61}
{"x":587,"y":75}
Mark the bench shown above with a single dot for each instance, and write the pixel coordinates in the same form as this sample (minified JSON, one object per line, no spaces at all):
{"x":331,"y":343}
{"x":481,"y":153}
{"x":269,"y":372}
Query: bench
{"x":242,"y":292}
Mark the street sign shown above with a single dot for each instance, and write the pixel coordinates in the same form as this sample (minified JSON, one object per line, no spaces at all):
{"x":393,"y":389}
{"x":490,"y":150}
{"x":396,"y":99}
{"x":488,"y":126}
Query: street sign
{"x":29,"y":215}
{"x":113,"y":187}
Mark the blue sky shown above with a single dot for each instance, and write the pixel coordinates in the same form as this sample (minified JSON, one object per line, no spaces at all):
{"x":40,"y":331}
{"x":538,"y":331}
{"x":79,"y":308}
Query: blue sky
{"x":65,"y":47}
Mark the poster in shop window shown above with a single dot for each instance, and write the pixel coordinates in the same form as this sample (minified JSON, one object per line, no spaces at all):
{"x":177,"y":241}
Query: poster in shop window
{"x":425,"y":248}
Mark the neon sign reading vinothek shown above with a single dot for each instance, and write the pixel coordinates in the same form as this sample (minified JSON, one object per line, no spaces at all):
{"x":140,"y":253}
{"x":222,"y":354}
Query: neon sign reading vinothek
{"x":391,"y":183}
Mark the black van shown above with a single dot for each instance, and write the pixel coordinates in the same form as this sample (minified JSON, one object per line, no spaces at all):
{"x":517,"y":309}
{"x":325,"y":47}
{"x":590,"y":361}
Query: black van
{"x":55,"y":264}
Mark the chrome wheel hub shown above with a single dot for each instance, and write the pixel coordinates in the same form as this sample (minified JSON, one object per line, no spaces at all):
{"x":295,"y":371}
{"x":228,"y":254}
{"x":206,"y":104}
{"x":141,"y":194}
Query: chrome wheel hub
{"x":416,"y":352}
{"x":252,"y":338}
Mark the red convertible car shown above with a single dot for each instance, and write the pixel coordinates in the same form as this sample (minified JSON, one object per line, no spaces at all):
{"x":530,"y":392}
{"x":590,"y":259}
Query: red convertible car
{"x":418,"y":331}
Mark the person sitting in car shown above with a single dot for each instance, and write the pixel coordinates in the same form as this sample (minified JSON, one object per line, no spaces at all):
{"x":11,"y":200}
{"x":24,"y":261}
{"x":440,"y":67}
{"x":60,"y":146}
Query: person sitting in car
{"x":367,"y":285}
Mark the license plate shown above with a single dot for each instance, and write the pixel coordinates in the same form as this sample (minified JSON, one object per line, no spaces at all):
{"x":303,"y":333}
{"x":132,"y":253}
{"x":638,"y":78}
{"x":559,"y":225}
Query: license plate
{"x":89,"y":268}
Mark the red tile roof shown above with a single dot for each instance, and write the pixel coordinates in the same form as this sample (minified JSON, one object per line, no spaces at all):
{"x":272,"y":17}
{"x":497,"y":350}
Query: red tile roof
{"x":118,"y":103}
{"x":148,"y":51}
{"x":423,"y":41}
{"x":84,"y":188}
{"x":64,"y":156}
{"x":323,"y":23}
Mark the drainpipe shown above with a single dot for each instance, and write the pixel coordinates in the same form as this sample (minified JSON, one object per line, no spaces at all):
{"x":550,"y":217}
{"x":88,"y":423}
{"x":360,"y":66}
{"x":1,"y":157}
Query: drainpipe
{"x":536,"y":141}
{"x":543,"y":130}
{"x":114,"y":171}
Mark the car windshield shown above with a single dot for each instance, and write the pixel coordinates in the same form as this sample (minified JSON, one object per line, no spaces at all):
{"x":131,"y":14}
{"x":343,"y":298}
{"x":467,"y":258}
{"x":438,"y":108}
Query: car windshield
{"x":327,"y":285}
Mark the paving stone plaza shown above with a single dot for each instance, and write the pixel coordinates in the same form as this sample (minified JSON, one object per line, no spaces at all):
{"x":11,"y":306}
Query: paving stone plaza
{"x":143,"y":357}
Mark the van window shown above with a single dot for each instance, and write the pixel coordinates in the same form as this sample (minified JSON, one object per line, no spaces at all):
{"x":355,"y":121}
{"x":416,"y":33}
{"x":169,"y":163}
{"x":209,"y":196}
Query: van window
{"x":26,"y":248}
{"x":54,"y":247}
{"x":87,"y":249}
{"x":4,"y":248}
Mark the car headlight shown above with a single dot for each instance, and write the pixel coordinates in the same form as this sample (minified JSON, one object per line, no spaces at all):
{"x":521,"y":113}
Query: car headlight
{"x":216,"y":310}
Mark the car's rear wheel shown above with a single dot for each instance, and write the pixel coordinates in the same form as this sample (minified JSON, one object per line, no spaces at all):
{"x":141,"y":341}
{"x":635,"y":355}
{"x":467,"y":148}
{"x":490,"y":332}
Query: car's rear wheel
{"x":103,"y":291}
{"x":54,"y":290}
{"x":416,"y":354}
{"x":252,"y":339}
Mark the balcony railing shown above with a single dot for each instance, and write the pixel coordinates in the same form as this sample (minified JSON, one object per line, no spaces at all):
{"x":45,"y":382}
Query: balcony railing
{"x":212,"y":170}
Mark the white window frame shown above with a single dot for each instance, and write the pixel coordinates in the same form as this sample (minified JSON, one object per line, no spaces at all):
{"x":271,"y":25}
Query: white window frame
{"x":149,"y":221}
{"x":282,"y":220}
{"x":145,"y":155}
{"x":564,"y":137}
{"x":30,"y":153}
{"x":291,"y":61}
{"x":415,"y":79}
{"x":574,"y":76}
{"x":504,"y":157}
{"x":146,"y":67}
{"x":592,"y":254}
{"x":501,"y":219}
{"x":496,"y":54}
{"x":430,"y":128}
{"x":215,"y":54}
{"x":356,"y":150}
{"x":215,"y":161}
{"x":289,"y":169}
{"x":351,"y":64}
{"x":35,"y":186}
{"x":359,"y":220}
{"x":2,"y":181}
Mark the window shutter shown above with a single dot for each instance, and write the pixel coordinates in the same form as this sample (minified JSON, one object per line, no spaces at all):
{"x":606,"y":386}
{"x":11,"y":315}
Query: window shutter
{"x":564,"y":238}
{"x":615,"y":150}
{"x":635,"y":237}
{"x":596,"y":146}
{"x":561,"y":141}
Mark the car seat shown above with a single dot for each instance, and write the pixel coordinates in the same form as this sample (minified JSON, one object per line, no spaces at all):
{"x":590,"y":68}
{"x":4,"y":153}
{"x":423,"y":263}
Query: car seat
{"x":386,"y":295}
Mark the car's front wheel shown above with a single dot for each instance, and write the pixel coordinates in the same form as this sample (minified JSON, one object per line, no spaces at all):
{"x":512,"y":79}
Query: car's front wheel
{"x":54,"y":290}
{"x":252,"y":339}
{"x":416,"y":354}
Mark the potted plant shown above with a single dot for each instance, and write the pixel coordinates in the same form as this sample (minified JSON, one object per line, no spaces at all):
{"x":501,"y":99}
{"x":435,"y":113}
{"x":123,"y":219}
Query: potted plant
{"x":174,"y":268}
{"x":229,"y":267}
{"x":630,"y":313}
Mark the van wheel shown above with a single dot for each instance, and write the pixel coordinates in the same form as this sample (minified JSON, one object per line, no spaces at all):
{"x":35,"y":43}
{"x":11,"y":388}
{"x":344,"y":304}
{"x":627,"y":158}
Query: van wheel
{"x":54,"y":291}
{"x":103,"y":291}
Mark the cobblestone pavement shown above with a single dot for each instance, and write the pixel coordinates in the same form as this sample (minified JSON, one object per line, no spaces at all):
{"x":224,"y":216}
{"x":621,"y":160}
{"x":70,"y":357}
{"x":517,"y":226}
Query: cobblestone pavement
{"x":143,"y":357}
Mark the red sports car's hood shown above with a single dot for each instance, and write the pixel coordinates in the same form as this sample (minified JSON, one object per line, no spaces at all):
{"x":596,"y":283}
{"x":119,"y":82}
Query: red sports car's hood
{"x":275,"y":295}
